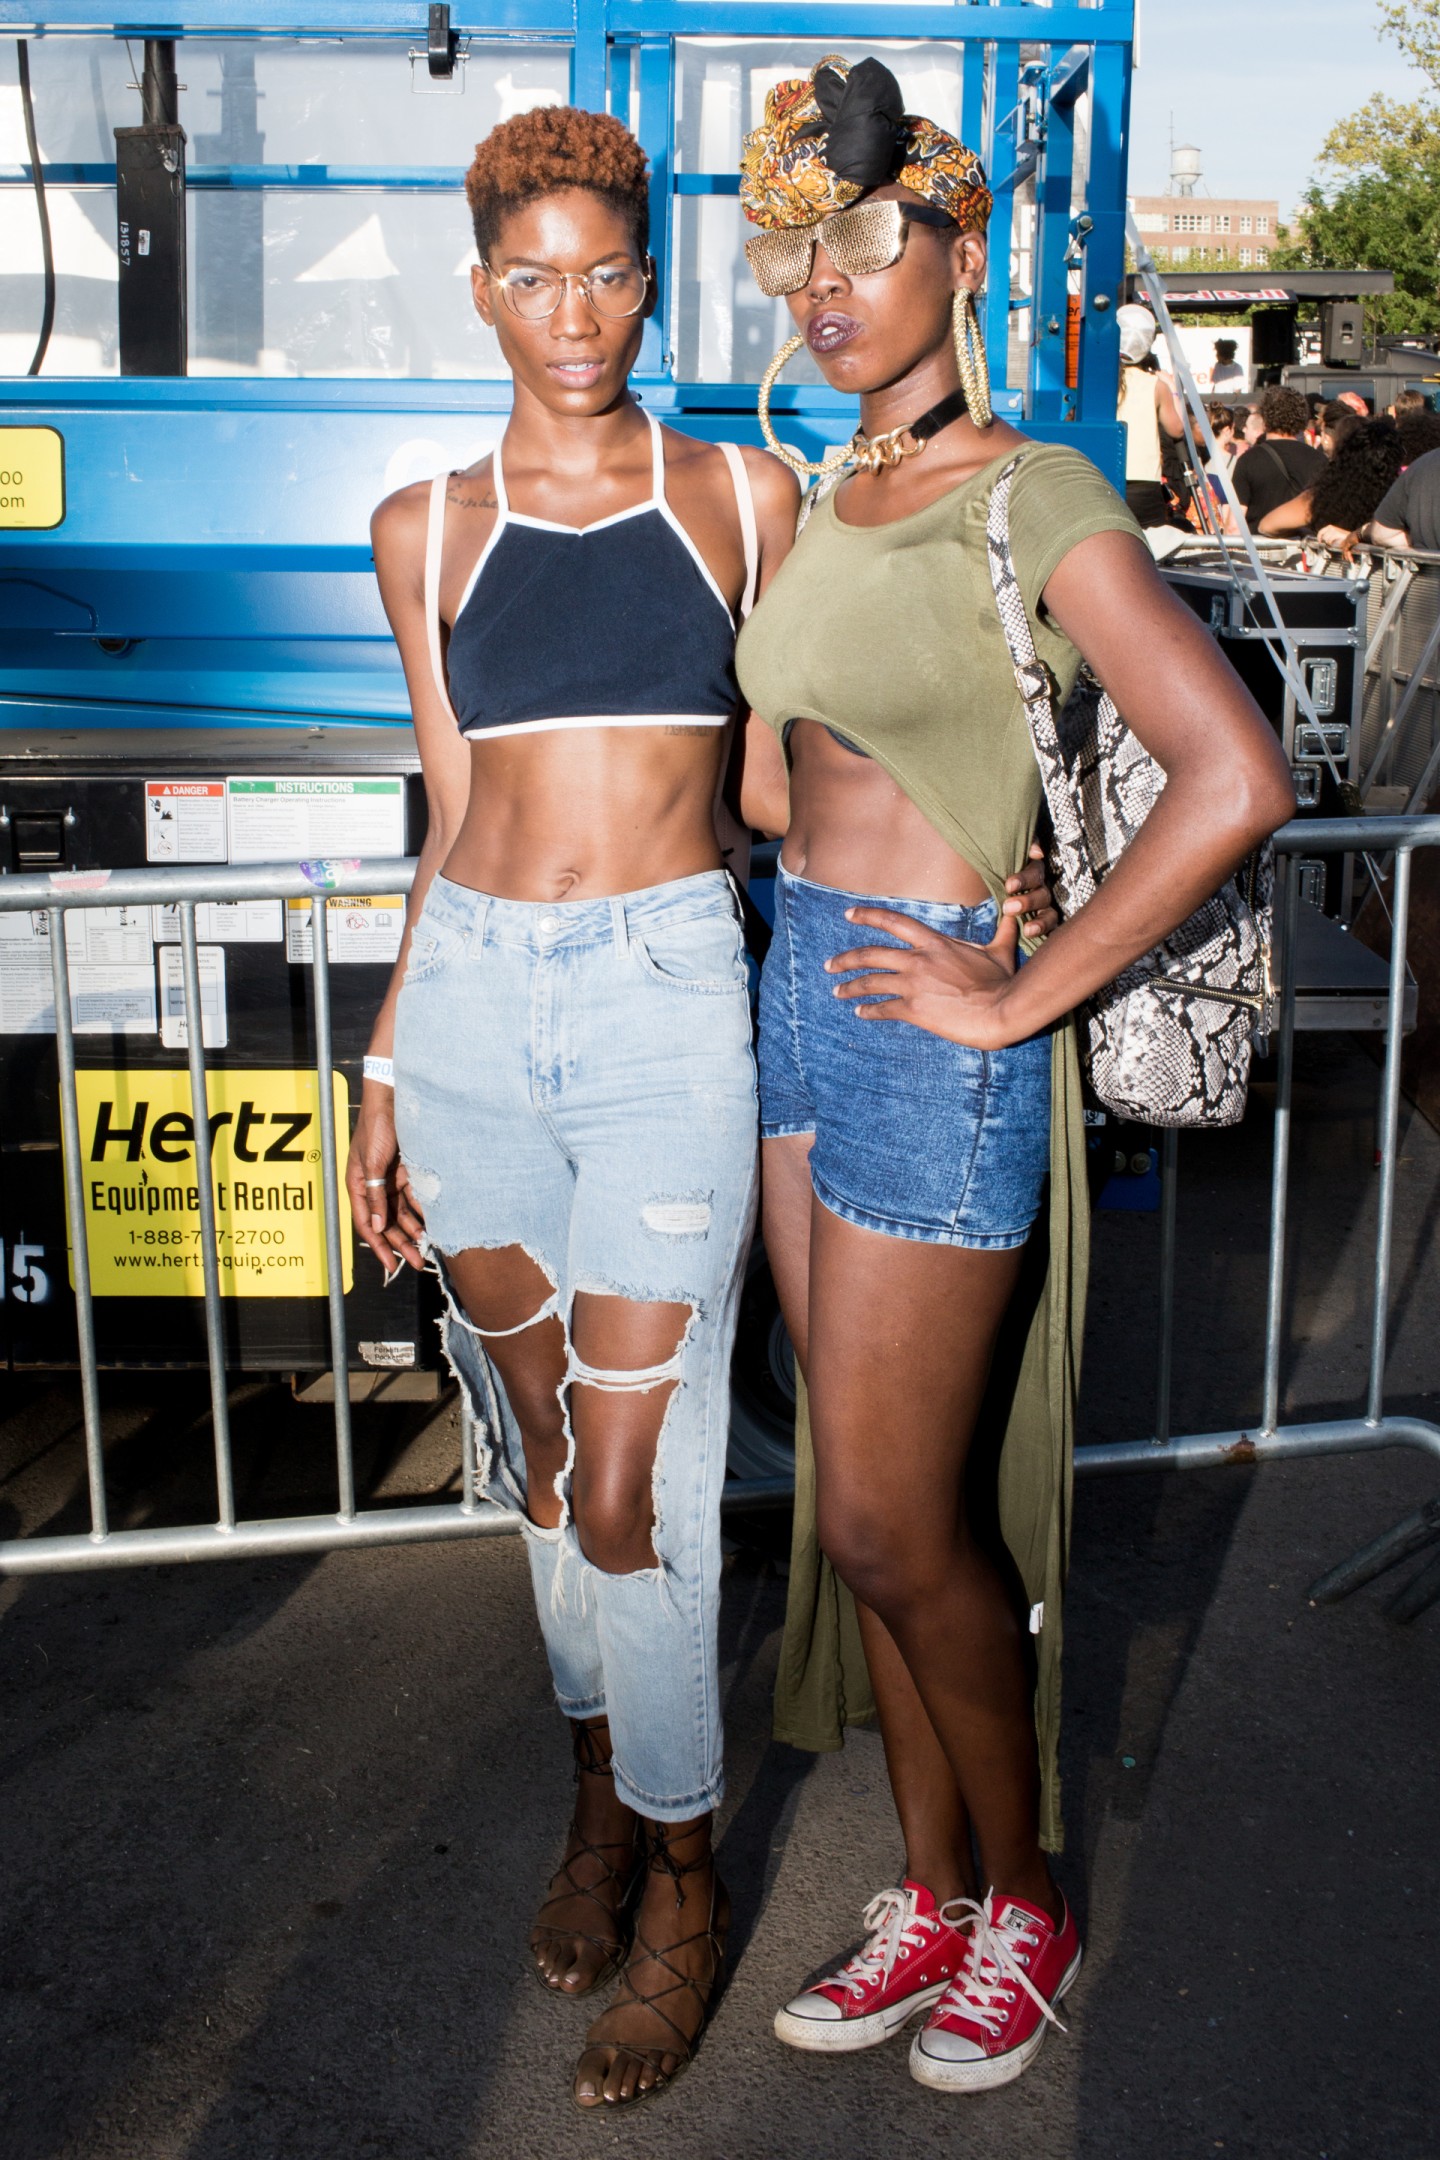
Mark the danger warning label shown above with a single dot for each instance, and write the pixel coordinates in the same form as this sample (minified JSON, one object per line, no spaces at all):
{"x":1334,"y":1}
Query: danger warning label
{"x":185,"y":821}
{"x":142,"y":1198}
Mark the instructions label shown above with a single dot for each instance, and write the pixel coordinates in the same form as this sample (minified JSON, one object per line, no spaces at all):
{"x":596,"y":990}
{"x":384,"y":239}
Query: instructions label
{"x":223,"y":922}
{"x":359,"y":930}
{"x":174,"y":1028}
{"x":185,"y":821}
{"x":291,"y":820}
{"x":142,"y":1202}
{"x":112,"y":972}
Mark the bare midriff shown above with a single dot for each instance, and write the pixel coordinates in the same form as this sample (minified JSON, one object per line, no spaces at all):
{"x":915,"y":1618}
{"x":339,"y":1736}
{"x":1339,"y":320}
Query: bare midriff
{"x":582,"y":813}
{"x":854,"y":828}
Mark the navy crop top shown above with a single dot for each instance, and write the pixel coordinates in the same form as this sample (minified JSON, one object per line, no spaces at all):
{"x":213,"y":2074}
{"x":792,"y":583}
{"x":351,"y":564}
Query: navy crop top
{"x":615,"y":624}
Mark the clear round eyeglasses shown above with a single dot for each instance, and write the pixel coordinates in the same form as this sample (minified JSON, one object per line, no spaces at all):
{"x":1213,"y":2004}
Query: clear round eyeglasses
{"x":614,"y":290}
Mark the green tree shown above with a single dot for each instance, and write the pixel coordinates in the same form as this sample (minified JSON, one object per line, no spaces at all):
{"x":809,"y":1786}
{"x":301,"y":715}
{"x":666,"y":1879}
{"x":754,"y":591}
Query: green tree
{"x":1377,"y":205}
{"x":1415,"y":27}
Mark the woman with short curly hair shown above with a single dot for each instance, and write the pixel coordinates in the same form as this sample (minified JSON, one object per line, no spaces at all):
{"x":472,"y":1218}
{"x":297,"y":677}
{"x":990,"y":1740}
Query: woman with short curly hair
{"x":568,"y":1130}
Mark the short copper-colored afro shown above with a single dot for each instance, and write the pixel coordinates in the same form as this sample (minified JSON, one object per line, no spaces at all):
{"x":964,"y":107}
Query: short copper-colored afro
{"x":553,"y":147}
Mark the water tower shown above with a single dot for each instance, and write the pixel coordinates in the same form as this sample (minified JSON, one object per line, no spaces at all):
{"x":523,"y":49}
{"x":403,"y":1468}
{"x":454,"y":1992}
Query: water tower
{"x":1185,"y":163}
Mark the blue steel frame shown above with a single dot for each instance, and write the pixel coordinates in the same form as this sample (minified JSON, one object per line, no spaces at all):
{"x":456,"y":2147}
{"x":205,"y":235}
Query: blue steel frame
{"x":135,"y":612}
{"x":1026,"y":66}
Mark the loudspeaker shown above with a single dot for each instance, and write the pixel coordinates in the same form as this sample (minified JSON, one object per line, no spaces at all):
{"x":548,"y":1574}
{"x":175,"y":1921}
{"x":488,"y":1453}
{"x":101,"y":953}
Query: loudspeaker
{"x":1342,"y":333}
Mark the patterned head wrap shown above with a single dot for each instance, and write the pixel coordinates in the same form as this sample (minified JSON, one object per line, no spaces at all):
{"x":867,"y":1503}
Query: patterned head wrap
{"x":830,"y":136}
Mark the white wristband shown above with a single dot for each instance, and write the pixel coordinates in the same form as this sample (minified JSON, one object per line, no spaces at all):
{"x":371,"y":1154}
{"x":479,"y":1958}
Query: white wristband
{"x":381,"y":1069}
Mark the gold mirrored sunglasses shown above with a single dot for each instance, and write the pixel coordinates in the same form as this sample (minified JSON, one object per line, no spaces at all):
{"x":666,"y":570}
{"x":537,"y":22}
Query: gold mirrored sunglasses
{"x":869,"y":236}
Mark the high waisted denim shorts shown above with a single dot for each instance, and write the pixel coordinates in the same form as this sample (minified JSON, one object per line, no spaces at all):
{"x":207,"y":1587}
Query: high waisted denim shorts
{"x":914,"y":1136}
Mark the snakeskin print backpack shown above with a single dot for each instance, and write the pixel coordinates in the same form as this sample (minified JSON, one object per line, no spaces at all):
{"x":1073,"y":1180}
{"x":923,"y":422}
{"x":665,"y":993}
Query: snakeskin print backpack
{"x":1169,"y":1041}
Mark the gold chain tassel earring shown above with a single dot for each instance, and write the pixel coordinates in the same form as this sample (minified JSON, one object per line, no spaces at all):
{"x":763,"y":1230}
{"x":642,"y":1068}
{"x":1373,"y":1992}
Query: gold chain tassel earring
{"x":833,"y":461}
{"x":970,"y":357}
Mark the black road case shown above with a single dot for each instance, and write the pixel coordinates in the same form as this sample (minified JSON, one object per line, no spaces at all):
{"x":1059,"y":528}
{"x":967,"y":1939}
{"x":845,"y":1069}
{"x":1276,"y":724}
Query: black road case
{"x":1326,"y":618}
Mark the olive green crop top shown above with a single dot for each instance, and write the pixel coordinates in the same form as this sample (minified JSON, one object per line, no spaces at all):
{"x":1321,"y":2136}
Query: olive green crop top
{"x":889,"y":635}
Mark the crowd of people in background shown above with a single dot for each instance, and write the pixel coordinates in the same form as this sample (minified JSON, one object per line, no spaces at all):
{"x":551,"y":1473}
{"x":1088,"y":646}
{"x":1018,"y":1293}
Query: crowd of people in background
{"x":1301,"y":467}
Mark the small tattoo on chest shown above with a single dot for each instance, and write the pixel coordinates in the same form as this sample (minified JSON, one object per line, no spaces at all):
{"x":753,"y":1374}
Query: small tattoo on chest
{"x":471,"y":502}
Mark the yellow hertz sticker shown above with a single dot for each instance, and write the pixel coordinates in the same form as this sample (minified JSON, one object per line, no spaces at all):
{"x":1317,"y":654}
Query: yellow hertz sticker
{"x":142,"y":1204}
{"x":32,"y":479}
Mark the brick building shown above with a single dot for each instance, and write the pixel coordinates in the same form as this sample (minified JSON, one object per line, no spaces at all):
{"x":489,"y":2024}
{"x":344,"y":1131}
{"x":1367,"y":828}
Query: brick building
{"x":1184,"y":229}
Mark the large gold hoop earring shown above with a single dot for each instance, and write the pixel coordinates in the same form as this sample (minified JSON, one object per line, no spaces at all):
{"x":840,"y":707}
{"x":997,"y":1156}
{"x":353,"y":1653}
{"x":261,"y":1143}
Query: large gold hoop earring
{"x":970,"y":357}
{"x":833,"y":459}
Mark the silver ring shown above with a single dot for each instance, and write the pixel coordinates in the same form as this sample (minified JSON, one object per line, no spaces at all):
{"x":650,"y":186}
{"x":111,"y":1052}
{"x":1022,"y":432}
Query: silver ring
{"x":377,"y":1181}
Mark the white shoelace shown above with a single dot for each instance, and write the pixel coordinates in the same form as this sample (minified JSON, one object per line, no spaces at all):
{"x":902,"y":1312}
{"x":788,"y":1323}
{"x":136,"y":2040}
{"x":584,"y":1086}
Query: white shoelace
{"x":980,"y":1991}
{"x":894,"y":1933}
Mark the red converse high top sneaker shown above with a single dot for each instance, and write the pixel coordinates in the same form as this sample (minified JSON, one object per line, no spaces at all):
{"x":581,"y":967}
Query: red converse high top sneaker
{"x":912,"y":1955}
{"x":990,"y":2022}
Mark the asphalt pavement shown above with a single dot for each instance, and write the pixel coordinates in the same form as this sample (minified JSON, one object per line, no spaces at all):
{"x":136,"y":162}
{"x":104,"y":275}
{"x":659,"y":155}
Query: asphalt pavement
{"x":271,"y":1832}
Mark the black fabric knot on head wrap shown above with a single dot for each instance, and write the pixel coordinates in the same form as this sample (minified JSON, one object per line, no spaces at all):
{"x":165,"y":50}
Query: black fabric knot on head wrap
{"x":829,"y":137}
{"x":864,"y":123}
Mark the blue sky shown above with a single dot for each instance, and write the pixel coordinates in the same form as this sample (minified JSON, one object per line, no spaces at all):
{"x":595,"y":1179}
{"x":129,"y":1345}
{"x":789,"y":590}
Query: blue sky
{"x":1257,"y":84}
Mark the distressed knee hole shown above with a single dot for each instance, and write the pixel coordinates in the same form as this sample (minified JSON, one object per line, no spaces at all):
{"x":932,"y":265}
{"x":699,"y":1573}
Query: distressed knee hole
{"x":498,"y":1299}
{"x":491,"y":1307}
{"x":619,"y":1414}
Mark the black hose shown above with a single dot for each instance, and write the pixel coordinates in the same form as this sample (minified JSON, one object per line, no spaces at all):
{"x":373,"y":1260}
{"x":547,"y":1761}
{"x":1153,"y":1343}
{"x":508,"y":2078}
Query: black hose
{"x":47,"y":316}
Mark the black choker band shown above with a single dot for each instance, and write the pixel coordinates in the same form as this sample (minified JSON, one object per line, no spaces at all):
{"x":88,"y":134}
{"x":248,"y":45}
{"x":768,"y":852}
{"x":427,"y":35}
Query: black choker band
{"x":953,"y":407}
{"x":891,"y":448}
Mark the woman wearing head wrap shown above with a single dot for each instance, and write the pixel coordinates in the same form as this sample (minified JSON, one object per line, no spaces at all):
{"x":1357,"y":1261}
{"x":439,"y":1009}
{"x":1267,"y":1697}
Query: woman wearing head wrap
{"x":917,"y":1084}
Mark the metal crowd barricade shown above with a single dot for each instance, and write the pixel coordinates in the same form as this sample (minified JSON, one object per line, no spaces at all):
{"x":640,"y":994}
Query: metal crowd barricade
{"x":57,"y":895}
{"x":1400,"y":725}
{"x":1269,"y":1439}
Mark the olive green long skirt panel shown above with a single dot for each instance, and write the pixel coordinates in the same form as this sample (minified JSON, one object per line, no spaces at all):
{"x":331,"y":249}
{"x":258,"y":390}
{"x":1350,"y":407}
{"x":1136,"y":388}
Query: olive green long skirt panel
{"x":1021,"y":1474}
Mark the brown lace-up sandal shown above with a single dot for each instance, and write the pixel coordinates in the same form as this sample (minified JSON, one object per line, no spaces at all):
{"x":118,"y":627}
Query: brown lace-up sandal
{"x":603,"y":1890}
{"x":682,"y":2007}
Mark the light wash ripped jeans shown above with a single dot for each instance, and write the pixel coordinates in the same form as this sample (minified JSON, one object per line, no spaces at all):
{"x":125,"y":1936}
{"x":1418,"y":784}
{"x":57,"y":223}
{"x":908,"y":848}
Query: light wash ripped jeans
{"x":577,"y":1079}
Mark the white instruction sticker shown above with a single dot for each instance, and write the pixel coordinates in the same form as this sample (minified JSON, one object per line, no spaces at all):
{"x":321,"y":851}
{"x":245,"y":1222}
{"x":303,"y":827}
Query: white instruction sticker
{"x":224,"y":922}
{"x":185,"y":821}
{"x":174,"y":1028}
{"x":387,"y":1353}
{"x":359,"y":930}
{"x":112,"y":972}
{"x":297,"y":819}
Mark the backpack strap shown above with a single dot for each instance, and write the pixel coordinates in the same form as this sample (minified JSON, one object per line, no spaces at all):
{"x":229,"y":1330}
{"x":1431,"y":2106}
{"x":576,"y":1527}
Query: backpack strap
{"x":825,"y":485}
{"x":749,"y":532}
{"x":1038,"y":691}
{"x":434,"y":548}
{"x":1280,"y":466}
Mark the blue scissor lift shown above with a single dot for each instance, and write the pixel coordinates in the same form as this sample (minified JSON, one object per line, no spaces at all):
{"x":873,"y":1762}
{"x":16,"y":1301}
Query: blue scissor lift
{"x":205,"y":607}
